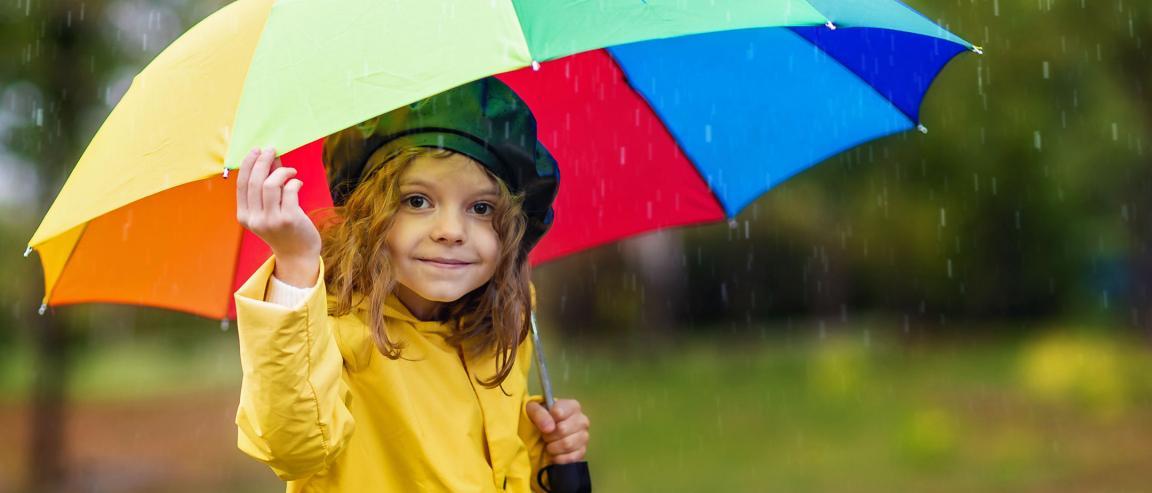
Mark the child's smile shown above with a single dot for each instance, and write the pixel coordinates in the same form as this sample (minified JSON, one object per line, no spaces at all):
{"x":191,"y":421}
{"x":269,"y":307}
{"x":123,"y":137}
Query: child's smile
{"x":442,"y":243}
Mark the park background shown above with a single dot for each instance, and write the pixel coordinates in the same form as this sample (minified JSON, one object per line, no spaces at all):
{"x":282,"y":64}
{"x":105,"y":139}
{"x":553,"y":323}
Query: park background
{"x":962,"y":310}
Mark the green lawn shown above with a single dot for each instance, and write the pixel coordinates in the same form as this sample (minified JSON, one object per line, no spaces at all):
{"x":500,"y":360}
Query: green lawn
{"x":1055,"y":414}
{"x":849,"y":413}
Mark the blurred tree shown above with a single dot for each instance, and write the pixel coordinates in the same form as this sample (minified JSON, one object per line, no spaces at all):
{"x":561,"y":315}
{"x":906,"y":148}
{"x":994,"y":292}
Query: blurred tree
{"x":58,"y":44}
{"x":1028,"y":199}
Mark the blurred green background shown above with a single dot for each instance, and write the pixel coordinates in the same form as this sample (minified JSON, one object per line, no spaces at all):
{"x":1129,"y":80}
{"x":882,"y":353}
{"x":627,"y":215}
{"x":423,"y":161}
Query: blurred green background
{"x":966,"y":310}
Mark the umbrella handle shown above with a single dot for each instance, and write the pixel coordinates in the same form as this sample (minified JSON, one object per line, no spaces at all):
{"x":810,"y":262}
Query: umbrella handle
{"x":565,"y":478}
{"x":562,"y":478}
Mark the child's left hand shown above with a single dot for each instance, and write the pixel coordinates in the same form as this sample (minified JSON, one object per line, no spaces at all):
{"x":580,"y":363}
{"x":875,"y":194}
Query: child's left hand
{"x":565,"y":429}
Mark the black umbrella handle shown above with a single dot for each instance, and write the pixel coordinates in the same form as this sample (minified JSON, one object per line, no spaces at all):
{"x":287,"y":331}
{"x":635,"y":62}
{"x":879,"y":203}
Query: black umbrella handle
{"x":562,"y":478}
{"x":565,"y":478}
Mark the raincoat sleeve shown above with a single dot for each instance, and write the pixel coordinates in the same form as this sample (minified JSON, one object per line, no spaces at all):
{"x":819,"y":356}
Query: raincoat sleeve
{"x":530,"y":435}
{"x":293,"y":412}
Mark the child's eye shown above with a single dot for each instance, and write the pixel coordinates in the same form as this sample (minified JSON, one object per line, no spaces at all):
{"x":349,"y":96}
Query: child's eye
{"x":415,"y":201}
{"x":482,"y":208}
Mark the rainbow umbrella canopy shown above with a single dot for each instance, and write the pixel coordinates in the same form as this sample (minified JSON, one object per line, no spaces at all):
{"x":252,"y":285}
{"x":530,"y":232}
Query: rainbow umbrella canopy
{"x":660,"y":114}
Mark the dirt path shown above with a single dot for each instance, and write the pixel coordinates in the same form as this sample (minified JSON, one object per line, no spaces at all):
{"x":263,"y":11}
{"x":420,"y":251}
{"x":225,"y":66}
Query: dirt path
{"x":171,"y":444}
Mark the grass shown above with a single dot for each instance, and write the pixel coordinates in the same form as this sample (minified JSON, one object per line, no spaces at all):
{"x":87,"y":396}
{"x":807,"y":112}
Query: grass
{"x":846,"y":415}
{"x":1054,"y":413}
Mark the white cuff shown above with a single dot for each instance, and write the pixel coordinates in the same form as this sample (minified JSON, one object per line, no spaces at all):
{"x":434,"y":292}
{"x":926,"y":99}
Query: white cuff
{"x":286,"y":295}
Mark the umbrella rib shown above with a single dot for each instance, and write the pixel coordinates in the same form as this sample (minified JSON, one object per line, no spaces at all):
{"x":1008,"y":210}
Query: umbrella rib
{"x":675,"y":139}
{"x":232,"y":279}
{"x":64,"y":267}
{"x":913,"y":120}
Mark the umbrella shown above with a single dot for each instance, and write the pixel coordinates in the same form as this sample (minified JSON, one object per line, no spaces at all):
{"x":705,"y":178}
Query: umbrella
{"x":661,"y":114}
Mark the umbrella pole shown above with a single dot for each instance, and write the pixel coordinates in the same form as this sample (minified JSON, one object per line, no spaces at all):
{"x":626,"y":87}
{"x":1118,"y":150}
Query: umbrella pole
{"x":561,"y":478}
{"x":541,"y":367}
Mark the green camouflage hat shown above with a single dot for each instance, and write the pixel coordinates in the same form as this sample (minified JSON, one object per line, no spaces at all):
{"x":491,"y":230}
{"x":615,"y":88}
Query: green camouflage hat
{"x":483,"y":119}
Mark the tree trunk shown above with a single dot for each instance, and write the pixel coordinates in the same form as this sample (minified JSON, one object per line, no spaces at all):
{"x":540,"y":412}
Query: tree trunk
{"x":658,"y":257}
{"x":67,"y":85}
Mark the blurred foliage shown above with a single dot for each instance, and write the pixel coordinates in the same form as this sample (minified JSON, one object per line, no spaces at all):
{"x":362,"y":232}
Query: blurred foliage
{"x":1025,"y":207}
{"x":1028,"y":198}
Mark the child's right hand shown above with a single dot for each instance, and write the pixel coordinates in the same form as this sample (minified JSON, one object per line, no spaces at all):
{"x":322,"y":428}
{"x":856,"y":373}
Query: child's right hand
{"x":268,"y":204}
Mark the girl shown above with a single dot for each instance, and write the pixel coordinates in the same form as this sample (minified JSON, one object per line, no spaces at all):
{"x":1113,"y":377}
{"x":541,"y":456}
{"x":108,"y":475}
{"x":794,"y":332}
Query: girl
{"x":389,"y":352}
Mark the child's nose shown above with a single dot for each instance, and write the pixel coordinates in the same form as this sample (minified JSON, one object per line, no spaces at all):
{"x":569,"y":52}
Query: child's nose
{"x":449,"y":227}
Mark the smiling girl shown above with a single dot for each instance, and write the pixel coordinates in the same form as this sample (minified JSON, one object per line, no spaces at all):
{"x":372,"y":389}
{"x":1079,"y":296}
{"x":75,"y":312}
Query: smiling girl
{"x":388,"y":352}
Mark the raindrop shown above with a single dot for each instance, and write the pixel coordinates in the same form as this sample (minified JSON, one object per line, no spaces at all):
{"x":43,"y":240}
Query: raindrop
{"x":1046,"y":72}
{"x":943,"y":218}
{"x":949,"y":268}
{"x":1036,"y":141}
{"x":1115,"y":132}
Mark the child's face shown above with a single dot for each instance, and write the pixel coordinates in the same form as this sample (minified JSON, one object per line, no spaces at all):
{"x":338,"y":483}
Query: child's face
{"x":445,"y":213}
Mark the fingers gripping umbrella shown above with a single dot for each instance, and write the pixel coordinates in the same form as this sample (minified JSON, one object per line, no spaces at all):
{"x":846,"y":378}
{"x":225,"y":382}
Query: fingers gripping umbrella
{"x":660,"y":113}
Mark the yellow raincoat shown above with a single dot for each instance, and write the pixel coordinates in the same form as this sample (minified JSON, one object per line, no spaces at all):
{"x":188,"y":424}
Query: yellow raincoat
{"x":328,"y":412}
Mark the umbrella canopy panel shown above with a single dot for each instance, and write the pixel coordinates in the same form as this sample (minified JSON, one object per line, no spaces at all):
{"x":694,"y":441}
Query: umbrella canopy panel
{"x":181,"y":249}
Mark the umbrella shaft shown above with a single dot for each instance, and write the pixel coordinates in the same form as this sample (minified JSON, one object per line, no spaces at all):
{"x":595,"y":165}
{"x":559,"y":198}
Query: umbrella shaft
{"x":541,"y":367}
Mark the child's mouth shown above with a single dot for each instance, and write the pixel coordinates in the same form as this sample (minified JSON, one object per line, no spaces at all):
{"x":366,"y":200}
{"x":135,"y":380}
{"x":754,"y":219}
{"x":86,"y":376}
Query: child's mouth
{"x":445,"y":263}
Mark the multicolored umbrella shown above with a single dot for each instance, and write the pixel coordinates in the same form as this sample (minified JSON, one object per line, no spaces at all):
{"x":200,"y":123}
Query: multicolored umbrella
{"x":660,"y":113}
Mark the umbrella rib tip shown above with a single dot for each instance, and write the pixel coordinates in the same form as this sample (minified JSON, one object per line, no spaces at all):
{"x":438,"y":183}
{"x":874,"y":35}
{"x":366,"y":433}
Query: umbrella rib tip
{"x":922,"y":128}
{"x":979,"y":50}
{"x":27,"y":251}
{"x":43,"y":308}
{"x":830,"y":25}
{"x":226,"y":170}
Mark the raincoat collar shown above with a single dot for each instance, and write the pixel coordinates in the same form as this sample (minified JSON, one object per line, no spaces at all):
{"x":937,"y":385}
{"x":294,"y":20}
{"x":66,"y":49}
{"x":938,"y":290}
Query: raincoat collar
{"x":394,"y":309}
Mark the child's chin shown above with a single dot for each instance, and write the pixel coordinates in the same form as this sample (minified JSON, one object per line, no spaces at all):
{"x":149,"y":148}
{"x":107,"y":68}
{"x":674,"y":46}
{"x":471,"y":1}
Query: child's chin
{"x":443,"y":295}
